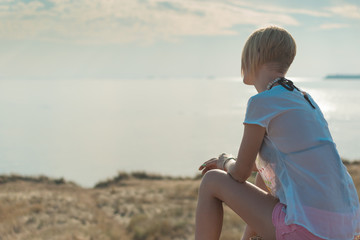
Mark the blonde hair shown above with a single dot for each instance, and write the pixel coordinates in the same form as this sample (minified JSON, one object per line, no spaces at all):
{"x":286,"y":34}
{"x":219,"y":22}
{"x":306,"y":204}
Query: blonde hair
{"x":269,"y":45}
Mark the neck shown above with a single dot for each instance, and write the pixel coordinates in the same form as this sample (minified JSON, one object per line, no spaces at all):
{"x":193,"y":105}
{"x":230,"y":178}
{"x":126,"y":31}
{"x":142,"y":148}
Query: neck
{"x":264,"y":77}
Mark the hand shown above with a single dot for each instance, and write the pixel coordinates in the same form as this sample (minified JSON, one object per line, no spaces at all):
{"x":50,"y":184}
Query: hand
{"x":214,"y":163}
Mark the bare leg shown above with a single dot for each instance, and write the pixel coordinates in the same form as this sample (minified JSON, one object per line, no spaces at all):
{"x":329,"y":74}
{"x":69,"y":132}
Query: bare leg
{"x":209,"y":214}
{"x":251,"y":203}
{"x":249,"y":232}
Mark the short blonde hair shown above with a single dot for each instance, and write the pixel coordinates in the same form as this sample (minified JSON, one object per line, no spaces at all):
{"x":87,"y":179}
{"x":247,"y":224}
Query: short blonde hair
{"x":268,"y":45}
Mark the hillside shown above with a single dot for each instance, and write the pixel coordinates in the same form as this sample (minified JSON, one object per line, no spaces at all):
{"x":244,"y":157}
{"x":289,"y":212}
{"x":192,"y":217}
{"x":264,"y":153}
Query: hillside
{"x":136,"y":206}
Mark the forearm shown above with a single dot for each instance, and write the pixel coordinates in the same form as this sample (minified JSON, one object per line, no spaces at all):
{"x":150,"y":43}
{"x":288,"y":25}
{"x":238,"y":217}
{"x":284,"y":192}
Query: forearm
{"x":232,"y":162}
{"x":249,"y":148}
{"x":229,"y":164}
{"x":239,"y":175}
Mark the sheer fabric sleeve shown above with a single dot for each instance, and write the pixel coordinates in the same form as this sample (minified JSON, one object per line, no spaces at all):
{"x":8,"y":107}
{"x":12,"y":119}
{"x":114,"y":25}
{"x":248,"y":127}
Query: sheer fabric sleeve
{"x":260,"y":111}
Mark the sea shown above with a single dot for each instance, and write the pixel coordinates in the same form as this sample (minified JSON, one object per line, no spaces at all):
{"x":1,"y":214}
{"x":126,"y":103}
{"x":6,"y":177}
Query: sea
{"x":87,"y":131}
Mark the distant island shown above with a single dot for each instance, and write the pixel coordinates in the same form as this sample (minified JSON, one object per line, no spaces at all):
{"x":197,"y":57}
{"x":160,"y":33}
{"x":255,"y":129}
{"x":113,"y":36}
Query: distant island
{"x":343,"y":76}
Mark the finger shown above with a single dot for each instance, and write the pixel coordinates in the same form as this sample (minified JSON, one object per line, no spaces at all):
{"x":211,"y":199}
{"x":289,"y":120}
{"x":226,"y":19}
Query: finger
{"x":204,"y":171}
{"x":206,"y":165}
{"x":202,"y":166}
{"x":207,"y":169}
{"x":208,"y":162}
{"x":212,"y":165}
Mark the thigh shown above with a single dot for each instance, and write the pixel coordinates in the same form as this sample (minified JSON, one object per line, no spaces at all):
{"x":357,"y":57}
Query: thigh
{"x":250,"y":202}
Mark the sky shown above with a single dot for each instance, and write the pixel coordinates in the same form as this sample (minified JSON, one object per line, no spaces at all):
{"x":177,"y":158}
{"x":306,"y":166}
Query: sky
{"x":117,"y":39}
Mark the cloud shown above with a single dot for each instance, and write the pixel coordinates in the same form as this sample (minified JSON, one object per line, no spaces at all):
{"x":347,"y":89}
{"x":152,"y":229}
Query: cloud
{"x":329,"y":26}
{"x":121,"y":21}
{"x":347,"y":11}
{"x":280,"y":9}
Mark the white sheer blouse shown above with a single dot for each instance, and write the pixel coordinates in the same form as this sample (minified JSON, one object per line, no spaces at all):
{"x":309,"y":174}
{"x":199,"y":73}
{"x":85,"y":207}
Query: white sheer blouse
{"x":300,"y":165}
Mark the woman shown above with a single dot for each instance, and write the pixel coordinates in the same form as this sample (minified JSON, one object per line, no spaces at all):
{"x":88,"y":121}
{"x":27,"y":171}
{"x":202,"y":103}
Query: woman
{"x":302,"y":189}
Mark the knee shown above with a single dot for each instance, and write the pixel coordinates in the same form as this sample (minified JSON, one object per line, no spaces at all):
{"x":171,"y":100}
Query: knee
{"x":211,"y":180}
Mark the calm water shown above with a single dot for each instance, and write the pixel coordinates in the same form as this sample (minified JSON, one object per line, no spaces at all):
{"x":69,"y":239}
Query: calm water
{"x":87,"y":131}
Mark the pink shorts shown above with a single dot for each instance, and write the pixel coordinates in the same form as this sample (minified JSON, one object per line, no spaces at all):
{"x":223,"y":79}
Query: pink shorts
{"x":289,"y":232}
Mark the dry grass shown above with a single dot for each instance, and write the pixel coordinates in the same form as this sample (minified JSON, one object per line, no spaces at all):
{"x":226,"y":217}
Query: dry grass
{"x":354,"y":170}
{"x":127,"y":207}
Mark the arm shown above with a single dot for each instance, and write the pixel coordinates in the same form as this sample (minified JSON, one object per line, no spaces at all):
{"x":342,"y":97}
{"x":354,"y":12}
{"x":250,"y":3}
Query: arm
{"x":249,"y":148}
